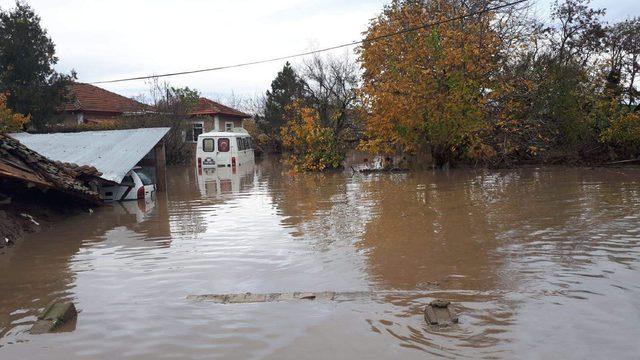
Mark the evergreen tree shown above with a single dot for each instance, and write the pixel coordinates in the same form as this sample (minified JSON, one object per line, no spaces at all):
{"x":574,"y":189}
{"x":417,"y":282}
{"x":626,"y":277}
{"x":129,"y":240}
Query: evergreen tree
{"x":285,"y":88}
{"x":27,"y":56}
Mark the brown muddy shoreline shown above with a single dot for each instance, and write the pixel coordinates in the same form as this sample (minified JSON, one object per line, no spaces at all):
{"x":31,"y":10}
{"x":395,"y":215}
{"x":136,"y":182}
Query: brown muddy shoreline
{"x":30,"y":211}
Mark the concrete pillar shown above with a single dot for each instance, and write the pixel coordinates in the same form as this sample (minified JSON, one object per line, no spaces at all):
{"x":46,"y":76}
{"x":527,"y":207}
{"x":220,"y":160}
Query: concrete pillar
{"x":161,"y":167}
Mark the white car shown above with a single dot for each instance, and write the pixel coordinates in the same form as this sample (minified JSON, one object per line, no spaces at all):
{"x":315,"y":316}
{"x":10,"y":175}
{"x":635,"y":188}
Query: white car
{"x":135,"y":185}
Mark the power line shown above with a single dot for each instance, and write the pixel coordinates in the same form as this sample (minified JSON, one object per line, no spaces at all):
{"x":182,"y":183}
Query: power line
{"x":353,"y":43}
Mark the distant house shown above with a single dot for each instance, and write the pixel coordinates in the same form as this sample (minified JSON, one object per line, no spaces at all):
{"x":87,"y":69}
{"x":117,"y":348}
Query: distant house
{"x":209,"y":115}
{"x":91,"y":104}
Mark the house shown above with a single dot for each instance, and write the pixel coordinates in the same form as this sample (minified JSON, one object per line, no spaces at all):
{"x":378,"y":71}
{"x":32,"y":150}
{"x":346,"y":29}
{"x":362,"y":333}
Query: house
{"x":209,"y":115}
{"x":90,"y":104}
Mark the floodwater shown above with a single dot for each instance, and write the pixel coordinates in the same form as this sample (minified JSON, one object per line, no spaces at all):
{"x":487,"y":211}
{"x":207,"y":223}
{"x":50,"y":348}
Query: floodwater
{"x":539,"y":262}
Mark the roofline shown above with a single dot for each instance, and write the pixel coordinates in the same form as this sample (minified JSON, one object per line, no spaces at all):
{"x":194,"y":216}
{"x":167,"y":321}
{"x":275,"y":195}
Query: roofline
{"x":212,"y":112}
{"x":138,"y":112}
{"x":224,"y":134}
{"x":79,"y":106}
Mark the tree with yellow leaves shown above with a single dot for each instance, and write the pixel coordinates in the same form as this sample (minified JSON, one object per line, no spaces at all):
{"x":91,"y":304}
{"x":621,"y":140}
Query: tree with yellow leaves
{"x":428,"y":89}
{"x":10,"y":121}
{"x":309,"y":145}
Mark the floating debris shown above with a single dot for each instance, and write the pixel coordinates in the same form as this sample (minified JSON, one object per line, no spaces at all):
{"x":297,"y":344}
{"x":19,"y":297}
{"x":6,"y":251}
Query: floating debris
{"x":30,"y":218}
{"x":386,"y":170}
{"x":54,"y":316}
{"x":260,"y":298}
{"x":246,"y":298}
{"x":440,"y":312}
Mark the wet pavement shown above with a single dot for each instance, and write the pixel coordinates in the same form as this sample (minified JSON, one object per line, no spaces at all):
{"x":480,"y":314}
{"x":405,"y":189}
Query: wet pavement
{"x":539,"y":262}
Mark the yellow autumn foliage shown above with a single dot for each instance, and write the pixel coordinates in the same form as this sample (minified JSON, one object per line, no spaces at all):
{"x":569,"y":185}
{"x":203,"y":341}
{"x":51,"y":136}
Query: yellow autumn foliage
{"x":622,"y":126}
{"x":427,"y":88}
{"x":309,"y":146}
{"x":10,"y":121}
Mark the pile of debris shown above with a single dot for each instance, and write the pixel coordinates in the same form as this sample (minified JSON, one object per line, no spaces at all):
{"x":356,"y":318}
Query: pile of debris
{"x":19,"y":163}
{"x":35,"y":189}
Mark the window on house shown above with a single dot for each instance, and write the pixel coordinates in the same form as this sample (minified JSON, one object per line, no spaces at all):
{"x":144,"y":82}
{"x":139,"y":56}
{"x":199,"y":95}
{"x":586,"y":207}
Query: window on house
{"x":194,"y":132}
{"x":223,"y":144}
{"x":208,"y":145}
{"x":228,"y":126}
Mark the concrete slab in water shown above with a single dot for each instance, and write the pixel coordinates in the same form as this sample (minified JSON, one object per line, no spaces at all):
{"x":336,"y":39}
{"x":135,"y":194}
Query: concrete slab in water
{"x":259,"y":298}
{"x":54,"y":316}
{"x":440,"y":312}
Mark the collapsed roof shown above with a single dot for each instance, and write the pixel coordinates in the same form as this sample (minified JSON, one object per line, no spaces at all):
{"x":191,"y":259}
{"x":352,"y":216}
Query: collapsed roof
{"x":17,"y":162}
{"x":113,"y":152}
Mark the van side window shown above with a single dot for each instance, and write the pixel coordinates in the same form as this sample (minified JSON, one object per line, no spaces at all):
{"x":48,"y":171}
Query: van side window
{"x":245,"y":141}
{"x":208,"y":145}
{"x":240,"y":144}
{"x":250,"y":143}
{"x":223,"y":145}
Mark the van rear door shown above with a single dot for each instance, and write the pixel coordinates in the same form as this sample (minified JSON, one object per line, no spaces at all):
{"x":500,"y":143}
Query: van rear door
{"x":207,"y":155}
{"x":224,"y":151}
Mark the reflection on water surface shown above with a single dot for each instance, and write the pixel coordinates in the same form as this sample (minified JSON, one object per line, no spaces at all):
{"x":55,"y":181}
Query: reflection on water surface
{"x":541,"y":262}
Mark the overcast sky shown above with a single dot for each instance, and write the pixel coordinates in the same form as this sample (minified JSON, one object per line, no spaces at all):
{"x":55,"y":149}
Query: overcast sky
{"x":104,"y":40}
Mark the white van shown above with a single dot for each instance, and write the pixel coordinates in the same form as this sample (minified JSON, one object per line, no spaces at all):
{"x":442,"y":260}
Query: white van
{"x":224,"y":149}
{"x":225,"y":180}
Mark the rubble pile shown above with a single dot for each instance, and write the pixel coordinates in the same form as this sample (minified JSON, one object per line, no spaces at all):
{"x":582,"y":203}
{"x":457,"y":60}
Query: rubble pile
{"x":21,"y":163}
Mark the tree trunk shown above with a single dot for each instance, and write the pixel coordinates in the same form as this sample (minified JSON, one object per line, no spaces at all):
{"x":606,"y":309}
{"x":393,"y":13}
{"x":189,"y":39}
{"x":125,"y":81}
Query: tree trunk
{"x":442,"y":156}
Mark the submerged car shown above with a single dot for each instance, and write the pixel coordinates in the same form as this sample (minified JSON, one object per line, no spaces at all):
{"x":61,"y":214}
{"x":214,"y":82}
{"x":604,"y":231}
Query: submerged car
{"x":135,"y":185}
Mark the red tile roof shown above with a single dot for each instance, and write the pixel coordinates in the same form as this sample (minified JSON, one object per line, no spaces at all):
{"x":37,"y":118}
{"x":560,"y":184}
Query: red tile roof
{"x":210,"y":107}
{"x":86,"y":97}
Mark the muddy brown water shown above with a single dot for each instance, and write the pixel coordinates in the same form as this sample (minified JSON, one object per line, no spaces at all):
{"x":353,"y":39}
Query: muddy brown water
{"x":540,"y":262}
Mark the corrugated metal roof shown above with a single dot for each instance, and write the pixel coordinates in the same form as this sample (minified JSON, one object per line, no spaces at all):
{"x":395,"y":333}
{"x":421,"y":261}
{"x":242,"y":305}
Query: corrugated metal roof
{"x":20,"y":163}
{"x":112,"y":152}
